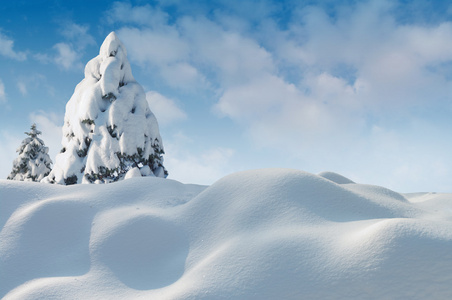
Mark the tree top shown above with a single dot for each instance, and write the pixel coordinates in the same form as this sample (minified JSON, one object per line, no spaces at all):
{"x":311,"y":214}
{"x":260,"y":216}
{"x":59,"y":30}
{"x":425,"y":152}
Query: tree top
{"x":34,"y":132}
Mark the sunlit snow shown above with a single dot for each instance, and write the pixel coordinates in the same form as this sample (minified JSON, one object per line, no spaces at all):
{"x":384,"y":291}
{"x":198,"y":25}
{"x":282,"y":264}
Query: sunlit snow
{"x":261,"y":234}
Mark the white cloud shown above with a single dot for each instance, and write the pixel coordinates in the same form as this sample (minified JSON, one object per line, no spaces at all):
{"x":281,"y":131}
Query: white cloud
{"x":165,"y":109}
{"x":66,"y":57}
{"x":400,"y":160}
{"x":141,"y":15}
{"x":232,"y":57}
{"x":31,"y":82}
{"x":68,"y":53}
{"x":314,"y":88}
{"x":203,"y":167}
{"x":157,"y":47}
{"x":348,"y":70}
{"x":22,"y":88}
{"x":78,"y":35}
{"x":394,"y":60}
{"x":262,"y":96}
{"x":165,"y":51}
{"x":42,"y":57}
{"x":195,"y":53}
{"x":430,"y":44}
{"x":6,"y":49}
{"x":183,"y":75}
{"x":2,"y":92}
{"x":277,"y":112}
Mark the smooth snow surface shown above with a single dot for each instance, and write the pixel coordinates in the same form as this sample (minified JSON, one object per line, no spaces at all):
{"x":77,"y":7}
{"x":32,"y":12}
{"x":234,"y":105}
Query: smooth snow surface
{"x":263,"y":234}
{"x":337,"y":178}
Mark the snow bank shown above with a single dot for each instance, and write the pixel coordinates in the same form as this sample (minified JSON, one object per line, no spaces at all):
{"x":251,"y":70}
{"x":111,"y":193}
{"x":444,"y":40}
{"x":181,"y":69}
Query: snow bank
{"x":264,"y":234}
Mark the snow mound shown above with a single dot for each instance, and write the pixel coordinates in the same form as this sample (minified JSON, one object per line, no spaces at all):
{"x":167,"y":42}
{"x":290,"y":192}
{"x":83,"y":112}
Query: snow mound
{"x":334,"y":177}
{"x":135,"y":172}
{"x":262,"y":234}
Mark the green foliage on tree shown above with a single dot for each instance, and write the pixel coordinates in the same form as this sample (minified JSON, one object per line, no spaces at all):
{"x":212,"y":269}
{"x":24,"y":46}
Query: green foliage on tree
{"x":33,"y":162}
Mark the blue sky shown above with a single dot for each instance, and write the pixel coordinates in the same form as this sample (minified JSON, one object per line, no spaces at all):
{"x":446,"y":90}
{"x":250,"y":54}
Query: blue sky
{"x":361,"y":88}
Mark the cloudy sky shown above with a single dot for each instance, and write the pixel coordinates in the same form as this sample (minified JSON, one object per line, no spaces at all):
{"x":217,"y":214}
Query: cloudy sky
{"x":361,"y":88}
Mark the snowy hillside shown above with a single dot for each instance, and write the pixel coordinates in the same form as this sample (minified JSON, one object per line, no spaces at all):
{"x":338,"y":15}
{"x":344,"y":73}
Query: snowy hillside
{"x":263,"y":234}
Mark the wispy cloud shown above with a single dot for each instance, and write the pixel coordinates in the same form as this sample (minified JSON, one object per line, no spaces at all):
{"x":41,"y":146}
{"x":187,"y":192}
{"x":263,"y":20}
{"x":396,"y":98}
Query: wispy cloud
{"x":68,"y":53}
{"x":22,"y":88}
{"x":321,"y":78}
{"x":2,"y":92}
{"x":333,"y":75}
{"x":31,"y":82}
{"x":140,"y":15}
{"x":165,"y":109}
{"x":6,"y":49}
{"x":167,"y":52}
{"x":66,"y":57}
{"x":78,"y":35}
{"x":190,"y":166}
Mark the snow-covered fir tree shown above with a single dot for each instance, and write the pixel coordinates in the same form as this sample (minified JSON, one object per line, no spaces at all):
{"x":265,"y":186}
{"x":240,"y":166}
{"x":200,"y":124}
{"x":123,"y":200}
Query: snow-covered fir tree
{"x":108,"y":129}
{"x":33,"y":162}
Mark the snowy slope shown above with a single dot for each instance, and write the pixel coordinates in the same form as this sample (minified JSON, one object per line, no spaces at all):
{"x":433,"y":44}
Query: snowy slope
{"x":263,"y":234}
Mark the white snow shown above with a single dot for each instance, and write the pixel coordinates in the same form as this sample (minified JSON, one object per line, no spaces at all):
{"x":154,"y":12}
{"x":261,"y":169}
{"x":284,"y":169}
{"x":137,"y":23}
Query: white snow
{"x":107,"y":116}
{"x":134,"y":172}
{"x":337,"y":178}
{"x":261,"y":234}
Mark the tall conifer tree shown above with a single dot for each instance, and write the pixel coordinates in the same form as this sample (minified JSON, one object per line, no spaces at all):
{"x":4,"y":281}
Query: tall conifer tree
{"x":108,"y":129}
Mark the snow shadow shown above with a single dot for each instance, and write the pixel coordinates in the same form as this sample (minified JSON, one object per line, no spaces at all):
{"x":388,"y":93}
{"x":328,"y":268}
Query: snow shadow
{"x":146,"y":252}
{"x":47,"y":239}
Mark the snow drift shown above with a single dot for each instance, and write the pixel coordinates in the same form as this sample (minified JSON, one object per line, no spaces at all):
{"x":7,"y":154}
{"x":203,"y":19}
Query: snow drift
{"x":264,"y":234}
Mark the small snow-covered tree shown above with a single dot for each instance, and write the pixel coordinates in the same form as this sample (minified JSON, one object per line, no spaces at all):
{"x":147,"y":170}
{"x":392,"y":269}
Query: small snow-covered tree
{"x":33,"y":163}
{"x":108,"y":129}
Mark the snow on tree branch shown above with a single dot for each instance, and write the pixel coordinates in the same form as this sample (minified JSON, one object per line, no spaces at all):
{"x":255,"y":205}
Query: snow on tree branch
{"x":108,"y":129}
{"x":33,"y":162}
